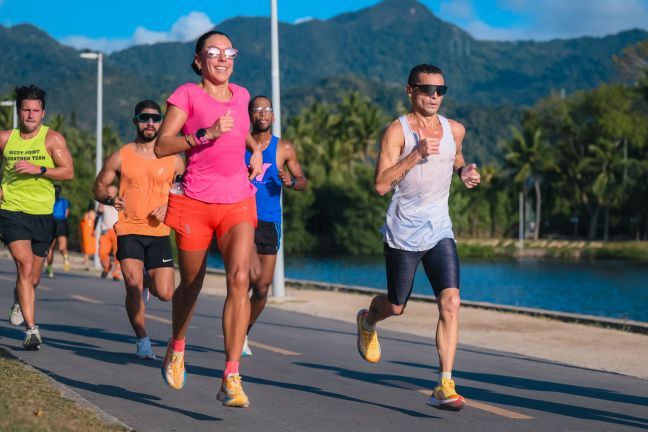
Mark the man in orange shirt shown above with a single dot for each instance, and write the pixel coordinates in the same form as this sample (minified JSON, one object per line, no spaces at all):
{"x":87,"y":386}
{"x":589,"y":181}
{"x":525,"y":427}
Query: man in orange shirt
{"x":142,"y":238}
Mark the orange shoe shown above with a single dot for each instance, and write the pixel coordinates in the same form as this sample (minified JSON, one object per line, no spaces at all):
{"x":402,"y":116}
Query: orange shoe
{"x":231,"y":392}
{"x":173,"y":370}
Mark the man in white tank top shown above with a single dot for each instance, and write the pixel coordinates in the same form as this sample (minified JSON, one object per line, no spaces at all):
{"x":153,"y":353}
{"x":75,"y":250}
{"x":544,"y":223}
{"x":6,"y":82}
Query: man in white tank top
{"x":419,"y":153}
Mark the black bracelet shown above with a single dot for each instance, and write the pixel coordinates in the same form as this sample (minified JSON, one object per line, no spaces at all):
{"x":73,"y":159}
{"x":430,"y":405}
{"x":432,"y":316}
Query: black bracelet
{"x":460,"y":169}
{"x":292,"y":183}
{"x":188,"y":142}
{"x":109,"y":201}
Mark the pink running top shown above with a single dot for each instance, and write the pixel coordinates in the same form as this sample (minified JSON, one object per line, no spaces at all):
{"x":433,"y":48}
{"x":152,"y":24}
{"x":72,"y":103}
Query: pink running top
{"x":216,"y":172}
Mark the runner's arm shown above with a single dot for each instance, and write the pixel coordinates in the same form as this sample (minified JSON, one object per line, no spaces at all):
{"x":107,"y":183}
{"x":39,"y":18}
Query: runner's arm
{"x":107,"y":176}
{"x":179,"y":166}
{"x":4,"y":139}
{"x":256,"y":161}
{"x":168,"y":142}
{"x":389,"y":170}
{"x":295,"y":179}
{"x":469,"y":174}
{"x":63,"y":163}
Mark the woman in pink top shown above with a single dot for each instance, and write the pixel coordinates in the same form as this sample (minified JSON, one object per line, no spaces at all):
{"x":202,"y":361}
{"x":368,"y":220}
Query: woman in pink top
{"x":218,"y":198}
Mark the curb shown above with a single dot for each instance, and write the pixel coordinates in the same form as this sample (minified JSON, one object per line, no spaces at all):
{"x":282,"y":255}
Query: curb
{"x":630,"y":326}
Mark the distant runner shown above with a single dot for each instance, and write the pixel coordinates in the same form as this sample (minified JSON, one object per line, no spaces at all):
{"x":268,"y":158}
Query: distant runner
{"x":61,"y":231}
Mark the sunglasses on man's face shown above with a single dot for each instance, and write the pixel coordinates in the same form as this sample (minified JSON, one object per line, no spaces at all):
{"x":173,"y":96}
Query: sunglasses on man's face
{"x":145,"y":117}
{"x":430,"y":89}
{"x":259,"y":110}
{"x":215,"y":52}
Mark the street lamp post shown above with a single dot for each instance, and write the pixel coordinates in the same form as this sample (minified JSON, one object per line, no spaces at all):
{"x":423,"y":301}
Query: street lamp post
{"x":99,"y":145}
{"x":12,"y":104}
{"x":278,"y":283}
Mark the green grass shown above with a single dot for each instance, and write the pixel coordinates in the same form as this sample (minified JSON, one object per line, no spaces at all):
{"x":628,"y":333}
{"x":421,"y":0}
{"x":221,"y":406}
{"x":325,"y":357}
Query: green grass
{"x":29,"y":402}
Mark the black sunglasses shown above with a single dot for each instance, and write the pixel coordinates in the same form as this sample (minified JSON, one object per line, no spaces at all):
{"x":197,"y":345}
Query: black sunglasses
{"x":430,"y":89}
{"x":145,"y":117}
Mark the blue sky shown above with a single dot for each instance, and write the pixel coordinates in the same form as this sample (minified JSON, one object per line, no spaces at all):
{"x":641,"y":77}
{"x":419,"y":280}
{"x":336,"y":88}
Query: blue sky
{"x":117,"y":24}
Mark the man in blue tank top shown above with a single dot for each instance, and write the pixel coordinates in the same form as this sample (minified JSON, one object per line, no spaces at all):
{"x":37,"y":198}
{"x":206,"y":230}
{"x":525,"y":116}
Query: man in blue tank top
{"x":277,"y":153}
{"x":419,"y":153}
{"x":61,"y":231}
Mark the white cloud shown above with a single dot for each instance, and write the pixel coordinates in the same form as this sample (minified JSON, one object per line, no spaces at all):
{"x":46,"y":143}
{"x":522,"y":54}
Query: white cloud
{"x":186,"y":28}
{"x":98,"y":44}
{"x":563,"y":19}
{"x":303,"y":20}
{"x":190,"y":27}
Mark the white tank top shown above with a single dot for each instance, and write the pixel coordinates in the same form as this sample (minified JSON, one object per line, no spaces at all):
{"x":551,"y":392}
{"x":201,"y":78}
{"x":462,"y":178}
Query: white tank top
{"x":109,"y":218}
{"x":418,"y":216}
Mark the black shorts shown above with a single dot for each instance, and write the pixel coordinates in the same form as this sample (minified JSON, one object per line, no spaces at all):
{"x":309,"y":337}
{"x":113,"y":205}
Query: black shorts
{"x":441,"y":265}
{"x":62,"y":229}
{"x":154,"y":252}
{"x":266,"y":237}
{"x":39,"y":229}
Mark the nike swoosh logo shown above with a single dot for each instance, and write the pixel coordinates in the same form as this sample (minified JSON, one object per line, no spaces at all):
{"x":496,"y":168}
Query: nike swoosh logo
{"x":167,"y":260}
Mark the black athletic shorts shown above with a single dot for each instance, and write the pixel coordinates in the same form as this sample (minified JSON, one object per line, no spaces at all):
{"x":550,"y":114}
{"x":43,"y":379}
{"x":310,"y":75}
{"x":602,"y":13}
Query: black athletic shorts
{"x":154,"y":252}
{"x":62,"y":229}
{"x":441,"y":265}
{"x":39,"y":229}
{"x":266,"y":237}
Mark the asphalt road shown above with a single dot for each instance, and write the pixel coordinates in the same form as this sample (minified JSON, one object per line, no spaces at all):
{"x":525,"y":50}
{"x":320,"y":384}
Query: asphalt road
{"x":305,"y":375}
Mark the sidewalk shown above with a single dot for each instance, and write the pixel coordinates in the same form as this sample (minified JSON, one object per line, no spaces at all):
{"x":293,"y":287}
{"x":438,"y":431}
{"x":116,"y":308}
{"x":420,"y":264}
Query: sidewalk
{"x":574,"y":344}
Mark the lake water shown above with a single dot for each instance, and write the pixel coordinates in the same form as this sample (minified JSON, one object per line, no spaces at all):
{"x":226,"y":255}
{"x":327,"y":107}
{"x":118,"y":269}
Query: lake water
{"x":615,"y":289}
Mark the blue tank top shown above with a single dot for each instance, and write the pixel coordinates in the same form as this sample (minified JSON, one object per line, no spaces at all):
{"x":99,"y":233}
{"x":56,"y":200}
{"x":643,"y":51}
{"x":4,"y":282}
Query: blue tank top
{"x":268,"y":184}
{"x":61,"y":205}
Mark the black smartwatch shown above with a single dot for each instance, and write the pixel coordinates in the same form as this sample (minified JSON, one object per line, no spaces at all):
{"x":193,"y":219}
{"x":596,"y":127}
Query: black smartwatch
{"x":43,"y":170}
{"x":109,"y":201}
{"x":199,"y":137}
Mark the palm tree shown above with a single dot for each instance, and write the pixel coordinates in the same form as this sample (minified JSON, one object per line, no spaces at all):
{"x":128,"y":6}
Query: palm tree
{"x":529,"y":158}
{"x":606,"y":164}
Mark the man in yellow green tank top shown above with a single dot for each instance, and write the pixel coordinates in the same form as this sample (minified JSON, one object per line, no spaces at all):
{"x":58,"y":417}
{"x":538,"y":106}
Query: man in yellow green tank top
{"x":33,"y":157}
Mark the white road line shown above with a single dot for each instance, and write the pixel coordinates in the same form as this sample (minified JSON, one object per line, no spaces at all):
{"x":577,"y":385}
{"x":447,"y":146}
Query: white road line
{"x":85,"y":299}
{"x":270,"y":348}
{"x":273,"y":349}
{"x":158,"y":319}
{"x":488,"y":408}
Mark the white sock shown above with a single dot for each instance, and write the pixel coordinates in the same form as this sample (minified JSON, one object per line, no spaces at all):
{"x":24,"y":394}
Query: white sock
{"x":365,"y":325}
{"x":446,"y":375}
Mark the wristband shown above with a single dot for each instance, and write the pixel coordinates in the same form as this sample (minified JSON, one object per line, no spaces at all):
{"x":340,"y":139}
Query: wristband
{"x":460,"y":169}
{"x":188,"y":141}
{"x":292,"y":183}
{"x":109,"y":201}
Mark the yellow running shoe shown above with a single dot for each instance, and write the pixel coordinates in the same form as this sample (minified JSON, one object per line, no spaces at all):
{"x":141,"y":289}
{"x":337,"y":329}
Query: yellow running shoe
{"x":231,"y":392}
{"x":445,"y":397}
{"x":173,"y":370}
{"x":368,"y":345}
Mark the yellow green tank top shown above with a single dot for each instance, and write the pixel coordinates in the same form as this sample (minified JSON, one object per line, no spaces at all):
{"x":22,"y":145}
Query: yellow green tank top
{"x":27,"y":193}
